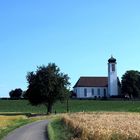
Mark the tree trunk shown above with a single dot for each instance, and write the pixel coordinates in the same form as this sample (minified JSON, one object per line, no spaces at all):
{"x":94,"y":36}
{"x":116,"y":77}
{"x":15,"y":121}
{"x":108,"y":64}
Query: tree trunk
{"x":67,"y":105}
{"x":49,"y":108}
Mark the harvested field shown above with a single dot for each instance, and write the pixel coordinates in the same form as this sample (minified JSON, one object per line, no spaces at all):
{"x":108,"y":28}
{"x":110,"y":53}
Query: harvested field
{"x":9,"y":123}
{"x":7,"y":120}
{"x":104,"y":126}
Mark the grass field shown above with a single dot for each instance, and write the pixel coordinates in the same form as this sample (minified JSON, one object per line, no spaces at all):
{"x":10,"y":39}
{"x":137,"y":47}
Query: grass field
{"x":104,"y":126}
{"x":74,"y":106}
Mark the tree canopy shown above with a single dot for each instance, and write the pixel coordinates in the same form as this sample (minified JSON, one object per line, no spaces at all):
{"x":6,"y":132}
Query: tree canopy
{"x":15,"y":94}
{"x":131,"y":83}
{"x":47,"y":85}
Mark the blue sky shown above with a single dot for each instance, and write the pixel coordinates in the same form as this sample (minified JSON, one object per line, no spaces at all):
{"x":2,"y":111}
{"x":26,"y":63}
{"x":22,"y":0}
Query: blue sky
{"x":78,"y":35}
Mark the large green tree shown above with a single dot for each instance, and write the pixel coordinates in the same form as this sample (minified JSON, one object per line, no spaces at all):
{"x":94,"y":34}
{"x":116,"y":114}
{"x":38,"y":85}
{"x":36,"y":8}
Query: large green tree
{"x":131,"y":83}
{"x":47,"y":85}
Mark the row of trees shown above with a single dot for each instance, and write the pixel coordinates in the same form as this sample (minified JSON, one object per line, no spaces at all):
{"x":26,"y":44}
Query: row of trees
{"x":47,"y":85}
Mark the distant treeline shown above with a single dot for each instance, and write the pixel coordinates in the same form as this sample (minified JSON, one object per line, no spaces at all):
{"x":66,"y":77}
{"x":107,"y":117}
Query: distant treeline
{"x":8,"y":98}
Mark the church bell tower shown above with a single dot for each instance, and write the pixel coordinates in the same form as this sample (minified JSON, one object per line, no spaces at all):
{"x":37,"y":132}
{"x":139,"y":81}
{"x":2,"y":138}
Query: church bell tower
{"x":112,"y":77}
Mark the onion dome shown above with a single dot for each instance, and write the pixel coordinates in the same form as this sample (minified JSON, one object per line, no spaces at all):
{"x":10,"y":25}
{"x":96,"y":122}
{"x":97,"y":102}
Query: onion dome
{"x":112,"y":60}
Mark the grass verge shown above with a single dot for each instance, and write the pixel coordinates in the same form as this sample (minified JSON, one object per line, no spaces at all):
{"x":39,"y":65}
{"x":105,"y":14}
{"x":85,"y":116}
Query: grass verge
{"x":57,"y":130}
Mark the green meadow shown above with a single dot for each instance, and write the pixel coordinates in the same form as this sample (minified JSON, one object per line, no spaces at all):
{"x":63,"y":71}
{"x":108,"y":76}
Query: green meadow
{"x":24,"y":106}
{"x":14,"y":107}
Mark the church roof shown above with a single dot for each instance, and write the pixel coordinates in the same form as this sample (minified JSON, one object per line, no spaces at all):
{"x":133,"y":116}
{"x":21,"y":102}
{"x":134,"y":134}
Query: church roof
{"x":92,"y":82}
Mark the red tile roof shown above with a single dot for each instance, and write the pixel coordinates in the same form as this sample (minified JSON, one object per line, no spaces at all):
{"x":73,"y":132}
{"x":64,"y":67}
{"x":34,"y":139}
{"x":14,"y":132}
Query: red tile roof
{"x":92,"y":82}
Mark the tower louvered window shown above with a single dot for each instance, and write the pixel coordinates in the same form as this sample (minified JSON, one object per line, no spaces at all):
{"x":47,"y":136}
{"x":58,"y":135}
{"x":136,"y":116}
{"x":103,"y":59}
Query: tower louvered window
{"x":113,"y":67}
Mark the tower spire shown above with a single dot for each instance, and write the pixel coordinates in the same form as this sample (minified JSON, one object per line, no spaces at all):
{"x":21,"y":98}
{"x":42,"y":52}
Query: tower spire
{"x":112,"y":77}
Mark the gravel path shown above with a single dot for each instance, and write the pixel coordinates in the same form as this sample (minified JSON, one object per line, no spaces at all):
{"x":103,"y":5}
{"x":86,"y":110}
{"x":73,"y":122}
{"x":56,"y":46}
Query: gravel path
{"x":33,"y":131}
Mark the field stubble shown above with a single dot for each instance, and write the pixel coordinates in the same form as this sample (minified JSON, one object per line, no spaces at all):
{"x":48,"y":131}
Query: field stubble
{"x":7,"y":120}
{"x":104,"y":126}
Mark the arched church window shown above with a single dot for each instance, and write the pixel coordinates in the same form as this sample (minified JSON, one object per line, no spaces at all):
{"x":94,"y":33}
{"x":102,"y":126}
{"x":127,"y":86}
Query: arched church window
{"x":92,"y":91}
{"x":85,"y":92}
{"x":98,"y":92}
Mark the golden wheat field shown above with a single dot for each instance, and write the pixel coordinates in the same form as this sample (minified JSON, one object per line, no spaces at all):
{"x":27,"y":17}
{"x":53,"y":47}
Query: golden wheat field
{"x":104,"y":126}
{"x":5,"y":121}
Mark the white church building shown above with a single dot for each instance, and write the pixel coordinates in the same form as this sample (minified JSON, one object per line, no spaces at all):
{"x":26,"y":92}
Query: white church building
{"x":96,"y":87}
